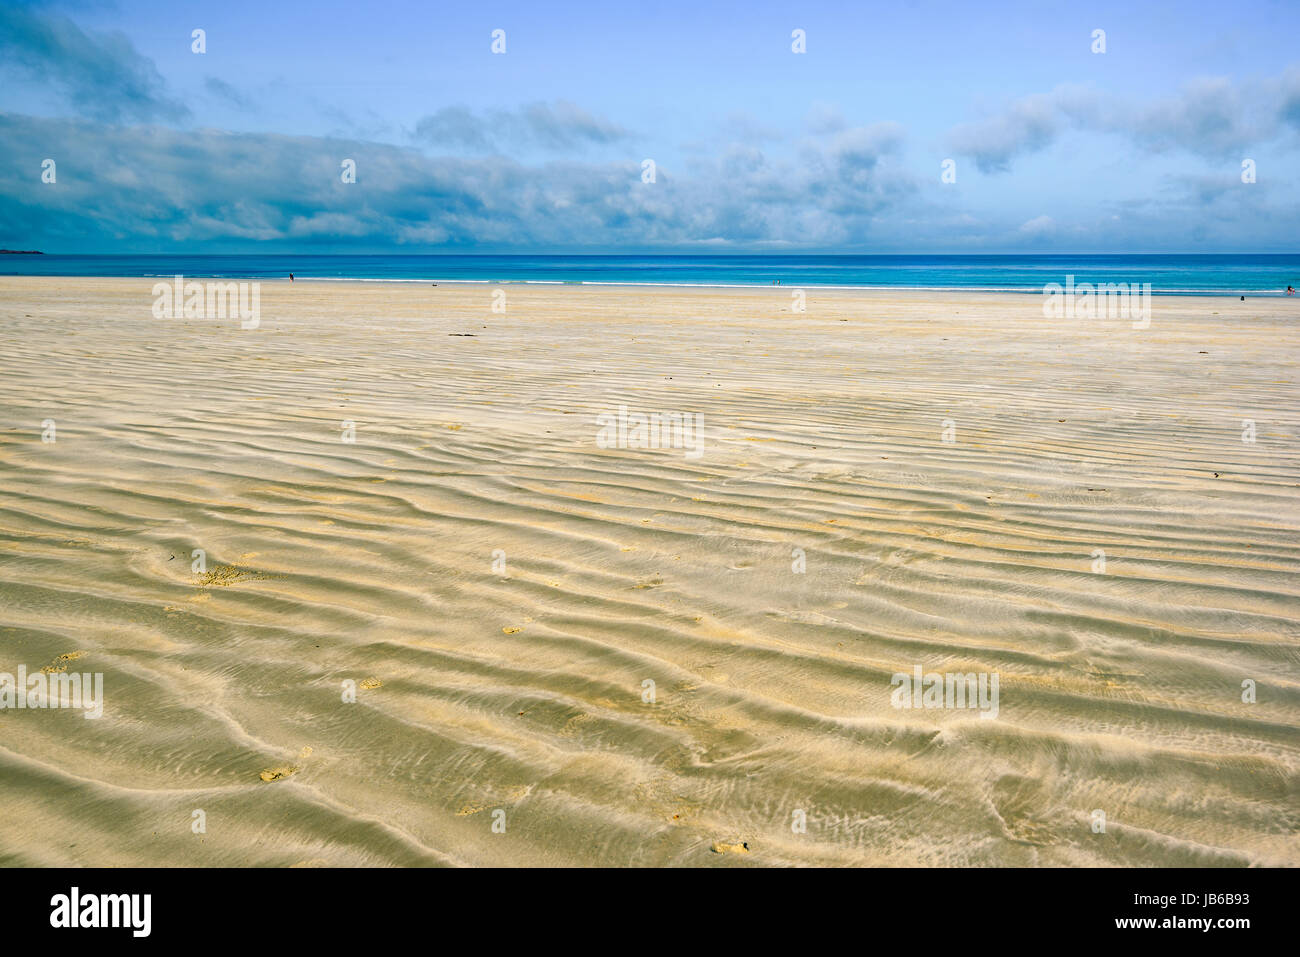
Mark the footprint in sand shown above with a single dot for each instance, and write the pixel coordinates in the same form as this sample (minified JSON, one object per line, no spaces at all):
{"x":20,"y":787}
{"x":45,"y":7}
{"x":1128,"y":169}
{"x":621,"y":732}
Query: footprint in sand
{"x":720,"y":848}
{"x":60,"y":664}
{"x":285,"y":770}
{"x":511,"y":795}
{"x":225,"y":575}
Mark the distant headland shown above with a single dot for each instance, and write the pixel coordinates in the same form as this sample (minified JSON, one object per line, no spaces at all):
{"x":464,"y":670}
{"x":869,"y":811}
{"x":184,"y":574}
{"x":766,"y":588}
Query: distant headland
{"x":21,"y":252}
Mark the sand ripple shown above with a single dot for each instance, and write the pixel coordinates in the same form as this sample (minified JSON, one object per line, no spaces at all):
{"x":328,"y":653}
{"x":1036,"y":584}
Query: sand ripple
{"x":497,"y":712}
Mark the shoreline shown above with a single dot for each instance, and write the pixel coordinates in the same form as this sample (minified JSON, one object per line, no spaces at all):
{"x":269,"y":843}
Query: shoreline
{"x":580,"y":283}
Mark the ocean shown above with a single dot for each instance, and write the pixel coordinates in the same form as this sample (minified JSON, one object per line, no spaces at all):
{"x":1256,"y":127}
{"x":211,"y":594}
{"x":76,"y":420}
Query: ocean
{"x":1218,"y":274}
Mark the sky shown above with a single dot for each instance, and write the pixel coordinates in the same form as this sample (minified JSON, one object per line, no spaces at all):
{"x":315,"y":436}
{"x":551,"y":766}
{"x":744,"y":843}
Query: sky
{"x":543,"y":147}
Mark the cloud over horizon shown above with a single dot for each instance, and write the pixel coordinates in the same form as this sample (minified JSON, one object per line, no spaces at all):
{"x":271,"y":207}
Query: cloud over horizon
{"x":552,"y":127}
{"x":177,"y":186}
{"x":1210,"y":117}
{"x":785,"y":168}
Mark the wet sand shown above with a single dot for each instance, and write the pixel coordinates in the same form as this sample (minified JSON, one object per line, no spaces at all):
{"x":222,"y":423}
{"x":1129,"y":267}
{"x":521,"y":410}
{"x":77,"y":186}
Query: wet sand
{"x":887,"y":481}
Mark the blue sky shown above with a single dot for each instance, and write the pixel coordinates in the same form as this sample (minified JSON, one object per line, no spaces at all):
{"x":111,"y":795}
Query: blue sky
{"x":1056,"y":148}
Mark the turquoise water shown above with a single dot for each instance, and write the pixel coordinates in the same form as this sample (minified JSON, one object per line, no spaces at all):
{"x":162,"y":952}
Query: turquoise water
{"x":1265,"y":274}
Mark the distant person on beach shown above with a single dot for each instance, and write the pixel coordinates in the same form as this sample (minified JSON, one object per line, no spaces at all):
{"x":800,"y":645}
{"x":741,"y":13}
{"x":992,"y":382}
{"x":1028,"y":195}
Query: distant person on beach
{"x":1290,"y":291}
{"x":291,"y":277}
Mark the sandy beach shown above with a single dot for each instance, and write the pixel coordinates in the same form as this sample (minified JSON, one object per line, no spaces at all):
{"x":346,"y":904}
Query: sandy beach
{"x":398,"y":495}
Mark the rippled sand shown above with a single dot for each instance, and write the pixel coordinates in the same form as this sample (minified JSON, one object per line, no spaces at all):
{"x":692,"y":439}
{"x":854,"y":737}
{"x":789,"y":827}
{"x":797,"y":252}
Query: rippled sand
{"x":519,"y":688}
